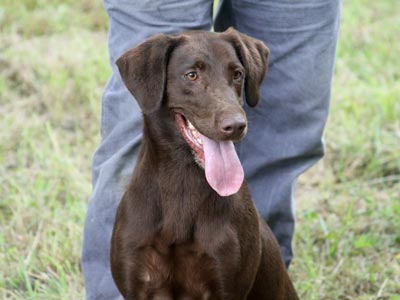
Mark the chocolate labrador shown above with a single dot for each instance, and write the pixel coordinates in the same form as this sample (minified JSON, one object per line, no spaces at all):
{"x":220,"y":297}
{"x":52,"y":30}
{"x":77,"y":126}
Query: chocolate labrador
{"x":187,"y":227}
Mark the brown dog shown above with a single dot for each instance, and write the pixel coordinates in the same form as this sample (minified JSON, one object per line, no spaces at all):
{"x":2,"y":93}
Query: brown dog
{"x":187,"y":227}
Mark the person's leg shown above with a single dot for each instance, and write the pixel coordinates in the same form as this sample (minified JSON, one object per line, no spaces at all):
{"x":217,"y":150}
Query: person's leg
{"x":285,"y":129}
{"x":130,"y":23}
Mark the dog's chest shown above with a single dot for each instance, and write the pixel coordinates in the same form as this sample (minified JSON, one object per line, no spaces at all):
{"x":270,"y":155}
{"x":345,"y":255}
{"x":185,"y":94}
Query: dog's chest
{"x":192,"y":270}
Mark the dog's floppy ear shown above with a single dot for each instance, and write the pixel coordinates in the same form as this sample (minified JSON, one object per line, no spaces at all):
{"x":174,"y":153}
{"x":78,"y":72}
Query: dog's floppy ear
{"x":253,"y":54}
{"x":143,"y":70}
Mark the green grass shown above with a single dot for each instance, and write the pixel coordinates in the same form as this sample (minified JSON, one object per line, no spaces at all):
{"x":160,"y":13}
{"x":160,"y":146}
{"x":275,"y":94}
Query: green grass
{"x":53,"y":67}
{"x":347,"y":241}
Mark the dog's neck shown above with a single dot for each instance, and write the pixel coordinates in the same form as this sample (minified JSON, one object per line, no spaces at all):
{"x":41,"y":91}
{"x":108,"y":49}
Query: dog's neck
{"x":165,"y":161}
{"x":164,"y":145}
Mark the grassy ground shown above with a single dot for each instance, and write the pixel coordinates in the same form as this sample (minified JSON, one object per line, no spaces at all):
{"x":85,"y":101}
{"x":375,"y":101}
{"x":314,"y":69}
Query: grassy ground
{"x":53,"y":67}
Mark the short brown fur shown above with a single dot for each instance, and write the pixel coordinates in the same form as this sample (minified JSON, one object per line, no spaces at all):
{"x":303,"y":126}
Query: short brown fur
{"x":174,"y":236}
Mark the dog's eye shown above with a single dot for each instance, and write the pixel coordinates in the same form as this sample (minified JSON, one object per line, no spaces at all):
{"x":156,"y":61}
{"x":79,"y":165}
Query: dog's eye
{"x":192,"y":76}
{"x":237,"y":75}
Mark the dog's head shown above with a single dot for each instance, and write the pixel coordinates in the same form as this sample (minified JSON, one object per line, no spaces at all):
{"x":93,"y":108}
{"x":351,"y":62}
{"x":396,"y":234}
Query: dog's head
{"x":200,"y":77}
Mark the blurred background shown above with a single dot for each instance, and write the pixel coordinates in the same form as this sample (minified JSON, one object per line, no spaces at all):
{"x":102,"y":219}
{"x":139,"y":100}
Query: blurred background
{"x":53,"y":68}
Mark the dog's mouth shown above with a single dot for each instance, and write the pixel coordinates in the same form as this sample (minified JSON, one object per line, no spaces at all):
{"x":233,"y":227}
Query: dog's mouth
{"x":222,"y":167}
{"x":192,"y":137}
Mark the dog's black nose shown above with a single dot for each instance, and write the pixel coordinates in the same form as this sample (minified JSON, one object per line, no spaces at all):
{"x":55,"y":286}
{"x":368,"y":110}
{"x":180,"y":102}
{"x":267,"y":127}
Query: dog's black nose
{"x":233,"y":127}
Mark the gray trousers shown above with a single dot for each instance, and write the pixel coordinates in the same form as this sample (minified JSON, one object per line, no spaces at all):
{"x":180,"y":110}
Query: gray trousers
{"x":285,"y":129}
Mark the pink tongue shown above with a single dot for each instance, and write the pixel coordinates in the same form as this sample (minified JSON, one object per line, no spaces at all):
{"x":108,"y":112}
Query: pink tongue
{"x":224,"y":172}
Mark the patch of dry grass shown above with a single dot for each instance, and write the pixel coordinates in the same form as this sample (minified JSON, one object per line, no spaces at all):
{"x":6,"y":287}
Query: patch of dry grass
{"x":50,"y":91}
